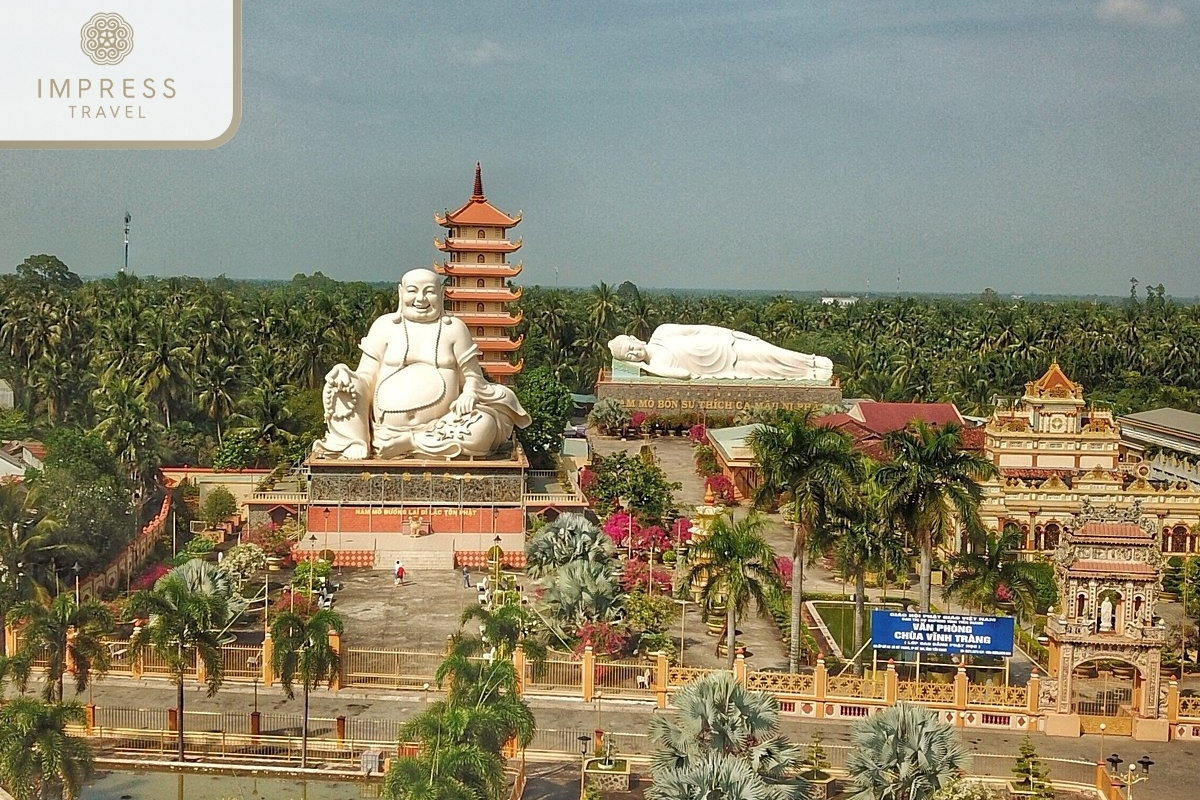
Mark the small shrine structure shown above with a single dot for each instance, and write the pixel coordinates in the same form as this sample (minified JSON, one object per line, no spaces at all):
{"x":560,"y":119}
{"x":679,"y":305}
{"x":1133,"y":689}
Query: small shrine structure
{"x":1105,"y":641}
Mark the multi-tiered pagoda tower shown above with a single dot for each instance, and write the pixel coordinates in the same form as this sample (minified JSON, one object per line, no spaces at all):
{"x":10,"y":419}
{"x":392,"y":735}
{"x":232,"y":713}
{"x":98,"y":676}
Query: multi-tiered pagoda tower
{"x":478,"y":290}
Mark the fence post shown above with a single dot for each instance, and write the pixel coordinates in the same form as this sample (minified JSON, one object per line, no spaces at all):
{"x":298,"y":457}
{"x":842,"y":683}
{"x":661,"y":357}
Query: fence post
{"x":135,"y":666}
{"x":199,"y":662}
{"x":1173,"y":701}
{"x":335,"y":644}
{"x":820,"y":684}
{"x":519,"y":667}
{"x":662,"y":670}
{"x":90,"y":718}
{"x":739,"y":668}
{"x":10,"y":638}
{"x":1033,"y":691}
{"x":960,"y":694}
{"x":891,"y":684}
{"x":588,"y":673}
{"x":340,"y":722}
{"x":268,"y":652}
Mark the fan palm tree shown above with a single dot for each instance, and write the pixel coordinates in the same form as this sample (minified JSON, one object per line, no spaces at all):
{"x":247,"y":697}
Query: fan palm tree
{"x":930,"y":487}
{"x":36,"y":752}
{"x":302,"y":649}
{"x":581,"y":592}
{"x":570,"y":537}
{"x":182,"y":625}
{"x":995,"y":575}
{"x":68,"y":635}
{"x":904,"y":753}
{"x":724,"y":738}
{"x":814,"y":467}
{"x":735,"y":565}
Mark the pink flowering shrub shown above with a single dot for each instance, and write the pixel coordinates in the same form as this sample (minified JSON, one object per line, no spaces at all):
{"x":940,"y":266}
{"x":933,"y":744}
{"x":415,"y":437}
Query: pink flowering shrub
{"x":638,"y":575}
{"x":697,"y":434}
{"x":148,"y":577}
{"x":784,"y":565}
{"x":681,"y":531}
{"x":604,"y":637}
{"x":619,"y":526}
{"x":638,"y":419}
{"x":722,"y":489}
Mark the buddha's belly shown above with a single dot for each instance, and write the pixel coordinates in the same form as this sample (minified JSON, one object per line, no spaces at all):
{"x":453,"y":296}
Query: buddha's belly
{"x":414,"y":395}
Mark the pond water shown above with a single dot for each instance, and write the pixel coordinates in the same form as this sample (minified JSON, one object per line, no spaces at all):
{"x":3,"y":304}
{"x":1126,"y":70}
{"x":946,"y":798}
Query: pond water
{"x":144,"y":785}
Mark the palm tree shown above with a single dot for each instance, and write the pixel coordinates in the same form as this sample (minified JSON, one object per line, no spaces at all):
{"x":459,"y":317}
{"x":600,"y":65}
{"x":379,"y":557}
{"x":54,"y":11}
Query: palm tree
{"x":301,"y":648}
{"x":69,"y":635}
{"x":904,"y":753}
{"x":37,"y":753}
{"x":461,"y":737}
{"x":734,"y":564}
{"x":816,"y":469}
{"x":865,"y":542}
{"x":994,"y":576}
{"x":583,"y":591}
{"x":505,"y":628}
{"x":182,"y":625}
{"x":30,"y":539}
{"x":570,"y":537}
{"x":724,"y":738}
{"x":930,"y":486}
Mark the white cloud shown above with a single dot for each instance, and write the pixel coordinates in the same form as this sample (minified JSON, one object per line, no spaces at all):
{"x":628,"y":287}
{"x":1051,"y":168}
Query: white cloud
{"x":487,"y":52}
{"x":1141,"y":13}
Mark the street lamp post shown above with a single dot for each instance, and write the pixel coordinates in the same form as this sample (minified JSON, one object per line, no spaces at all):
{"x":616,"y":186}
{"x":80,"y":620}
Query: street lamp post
{"x":1131,"y":777}
{"x":76,"y":569}
{"x":325,"y":514}
{"x":683,"y":604}
{"x":583,"y":750}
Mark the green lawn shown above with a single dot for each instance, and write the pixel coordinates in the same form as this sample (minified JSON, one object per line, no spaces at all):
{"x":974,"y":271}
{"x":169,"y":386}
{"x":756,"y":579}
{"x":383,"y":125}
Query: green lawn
{"x":839,"y":618}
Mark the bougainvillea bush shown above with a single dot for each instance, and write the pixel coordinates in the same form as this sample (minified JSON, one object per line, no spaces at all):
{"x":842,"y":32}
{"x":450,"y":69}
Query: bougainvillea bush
{"x":637,"y":575}
{"x":722,"y":489}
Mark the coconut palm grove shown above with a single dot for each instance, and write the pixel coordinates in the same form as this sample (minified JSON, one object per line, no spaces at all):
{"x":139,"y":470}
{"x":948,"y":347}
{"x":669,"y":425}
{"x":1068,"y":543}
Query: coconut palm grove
{"x":166,"y":524}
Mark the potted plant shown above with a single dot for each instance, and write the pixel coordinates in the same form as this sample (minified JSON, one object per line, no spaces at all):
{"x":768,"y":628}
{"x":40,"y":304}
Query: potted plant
{"x":815,"y":769}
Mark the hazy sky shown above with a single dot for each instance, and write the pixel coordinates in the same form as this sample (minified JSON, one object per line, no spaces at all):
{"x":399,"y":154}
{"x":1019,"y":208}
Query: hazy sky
{"x":1035,"y":147}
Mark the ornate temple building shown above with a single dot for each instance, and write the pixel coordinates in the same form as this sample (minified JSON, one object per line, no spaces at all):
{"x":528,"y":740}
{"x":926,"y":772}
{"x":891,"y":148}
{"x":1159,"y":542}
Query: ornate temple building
{"x":1105,"y":642}
{"x":1056,"y":454}
{"x":479,"y":290}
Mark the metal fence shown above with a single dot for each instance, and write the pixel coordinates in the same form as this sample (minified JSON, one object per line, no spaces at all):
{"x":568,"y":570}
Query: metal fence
{"x":394,"y":669}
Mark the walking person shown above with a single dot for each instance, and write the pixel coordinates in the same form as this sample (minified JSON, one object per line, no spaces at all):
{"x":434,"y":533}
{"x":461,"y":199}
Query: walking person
{"x":399,"y":572}
{"x":466,"y":577}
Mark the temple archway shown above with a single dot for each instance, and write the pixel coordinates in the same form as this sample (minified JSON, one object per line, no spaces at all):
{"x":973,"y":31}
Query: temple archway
{"x":1107,"y":691}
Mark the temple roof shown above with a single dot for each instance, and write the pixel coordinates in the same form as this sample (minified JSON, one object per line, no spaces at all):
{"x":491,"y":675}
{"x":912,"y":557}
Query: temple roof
{"x":1112,"y":531}
{"x":459,"y":244}
{"x":887,"y":417}
{"x":1054,"y":383}
{"x":494,"y":294}
{"x":477,"y":210}
{"x":1117,"y":567}
{"x":479,"y":270}
{"x":502,"y":367}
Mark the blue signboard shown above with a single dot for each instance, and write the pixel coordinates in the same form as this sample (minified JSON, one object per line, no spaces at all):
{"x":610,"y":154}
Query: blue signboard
{"x":942,"y":633}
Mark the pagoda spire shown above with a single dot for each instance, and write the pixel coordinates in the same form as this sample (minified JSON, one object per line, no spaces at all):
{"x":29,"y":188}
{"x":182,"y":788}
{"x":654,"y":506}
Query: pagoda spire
{"x":478,"y":193}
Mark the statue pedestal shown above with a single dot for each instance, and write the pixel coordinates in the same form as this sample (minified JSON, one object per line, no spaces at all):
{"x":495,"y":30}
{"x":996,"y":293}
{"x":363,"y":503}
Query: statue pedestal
{"x":452,"y":506}
{"x":700,"y":399}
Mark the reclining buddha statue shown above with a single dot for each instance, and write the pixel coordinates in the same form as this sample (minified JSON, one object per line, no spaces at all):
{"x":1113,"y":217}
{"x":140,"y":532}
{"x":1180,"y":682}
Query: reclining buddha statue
{"x":419,"y":388}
